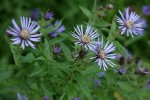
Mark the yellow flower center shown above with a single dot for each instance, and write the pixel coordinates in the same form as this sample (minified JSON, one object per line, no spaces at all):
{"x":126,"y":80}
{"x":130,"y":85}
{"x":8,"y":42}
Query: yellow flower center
{"x":24,"y":34}
{"x":85,"y":39}
{"x":101,"y":54}
{"x":128,"y":23}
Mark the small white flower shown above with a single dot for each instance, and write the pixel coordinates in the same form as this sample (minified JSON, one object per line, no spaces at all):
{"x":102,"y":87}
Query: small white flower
{"x":86,"y":38}
{"x":130,"y":23}
{"x":26,"y":33}
{"x":103,"y":54}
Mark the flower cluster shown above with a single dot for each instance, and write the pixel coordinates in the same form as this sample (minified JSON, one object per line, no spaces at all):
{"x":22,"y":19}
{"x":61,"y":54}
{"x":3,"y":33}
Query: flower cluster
{"x":129,"y":22}
{"x":86,"y":38}
{"x":102,"y":53}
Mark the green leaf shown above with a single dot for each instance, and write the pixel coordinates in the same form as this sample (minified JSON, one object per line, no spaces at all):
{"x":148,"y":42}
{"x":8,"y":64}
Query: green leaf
{"x":46,"y":49}
{"x":56,"y":40}
{"x":28,"y":58}
{"x":66,"y":51}
{"x":83,"y":85}
{"x":101,"y":24}
{"x":94,"y":5}
{"x":112,"y":34}
{"x":90,"y":70}
{"x":120,"y":48}
{"x":16,"y":54}
{"x":125,"y":86}
{"x":130,"y":41}
{"x":45,"y":89}
{"x":71,"y":91}
{"x":37,"y":70}
{"x":86,"y":11}
{"x":40,"y":58}
{"x":11,"y":82}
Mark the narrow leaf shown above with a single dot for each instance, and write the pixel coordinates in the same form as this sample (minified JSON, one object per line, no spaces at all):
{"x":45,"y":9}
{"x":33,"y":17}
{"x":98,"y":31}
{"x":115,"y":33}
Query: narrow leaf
{"x":83,"y":85}
{"x":86,"y":11}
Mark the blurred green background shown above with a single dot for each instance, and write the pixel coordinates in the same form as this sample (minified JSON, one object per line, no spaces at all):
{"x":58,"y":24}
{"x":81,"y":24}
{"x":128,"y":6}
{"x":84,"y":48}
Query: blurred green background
{"x":69,"y":11}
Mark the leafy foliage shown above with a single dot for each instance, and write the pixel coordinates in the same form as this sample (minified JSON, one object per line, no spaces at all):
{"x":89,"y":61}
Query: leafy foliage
{"x":67,"y":74}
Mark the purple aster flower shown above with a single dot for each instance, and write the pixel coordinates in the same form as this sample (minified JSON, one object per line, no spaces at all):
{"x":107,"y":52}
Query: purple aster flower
{"x":48,"y":15}
{"x":140,"y":70}
{"x":26,"y":33}
{"x":148,"y":84}
{"x":58,"y":28}
{"x":34,"y":14}
{"x":122,"y":70}
{"x":103,"y":54}
{"x":46,"y":98}
{"x":96,"y":83}
{"x":75,"y":98}
{"x":86,"y":38}
{"x":146,"y":10}
{"x":144,"y":25}
{"x":129,"y":22}
{"x":56,"y":50}
{"x":100,"y":74}
{"x":21,"y":97}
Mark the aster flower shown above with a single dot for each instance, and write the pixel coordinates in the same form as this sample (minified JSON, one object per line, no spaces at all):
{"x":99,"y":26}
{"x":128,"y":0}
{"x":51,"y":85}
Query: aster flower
{"x":146,"y":10}
{"x":26,"y":33}
{"x":48,"y":15}
{"x":34,"y":14}
{"x":86,"y":38}
{"x":45,"y":98}
{"x":141,"y":70}
{"x":56,"y":50}
{"x":129,"y":22}
{"x":121,"y":70}
{"x":103,"y":56}
{"x":75,"y":98}
{"x":100,"y":74}
{"x":58,"y":28}
{"x":144,"y":25}
{"x":96,"y":83}
{"x":148,"y":85}
{"x":21,"y":97}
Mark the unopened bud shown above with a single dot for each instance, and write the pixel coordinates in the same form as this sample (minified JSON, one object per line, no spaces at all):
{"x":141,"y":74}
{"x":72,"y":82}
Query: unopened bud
{"x":109,"y":6}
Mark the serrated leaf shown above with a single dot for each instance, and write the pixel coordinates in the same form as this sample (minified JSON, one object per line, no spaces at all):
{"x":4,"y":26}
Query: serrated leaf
{"x":83,"y":85}
{"x":86,"y":11}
